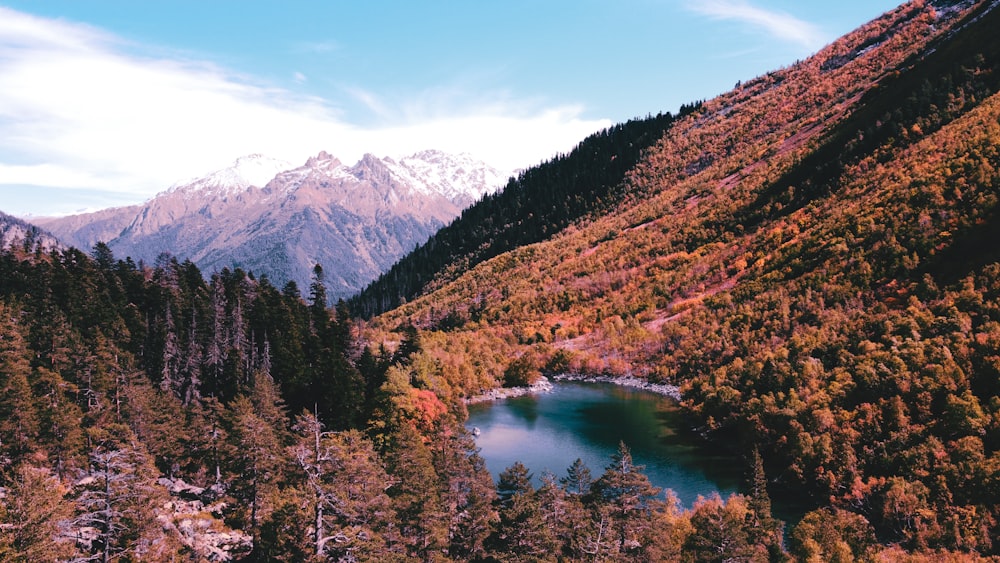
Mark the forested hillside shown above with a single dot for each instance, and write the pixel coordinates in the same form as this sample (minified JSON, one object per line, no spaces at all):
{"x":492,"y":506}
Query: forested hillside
{"x":536,"y":205}
{"x":812,"y":257}
{"x":146,"y":415}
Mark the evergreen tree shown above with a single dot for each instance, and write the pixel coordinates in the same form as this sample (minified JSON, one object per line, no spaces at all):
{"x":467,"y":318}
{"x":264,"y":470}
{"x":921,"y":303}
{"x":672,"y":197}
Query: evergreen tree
{"x":117,"y":500}
{"x":513,"y":481}
{"x":191,"y":365}
{"x":317,"y":297}
{"x":766,"y":530}
{"x":565,"y":521}
{"x":33,"y":518}
{"x":409,"y":345}
{"x":467,"y":491}
{"x":578,"y":479}
{"x":255,"y":465}
{"x":420,"y":514}
{"x":521,"y":531}
{"x":19,"y":426}
{"x":60,"y":421}
{"x":627,"y":500}
{"x":347,"y":485}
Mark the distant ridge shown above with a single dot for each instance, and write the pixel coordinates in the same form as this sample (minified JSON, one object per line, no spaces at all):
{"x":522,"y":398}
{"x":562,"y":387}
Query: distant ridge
{"x":280,"y":220}
{"x":18,"y":234}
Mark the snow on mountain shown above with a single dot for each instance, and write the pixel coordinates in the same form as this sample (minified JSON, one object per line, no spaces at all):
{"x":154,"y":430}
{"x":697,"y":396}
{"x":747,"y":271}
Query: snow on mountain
{"x":457,"y":177}
{"x":252,"y":170}
{"x":274,"y":218}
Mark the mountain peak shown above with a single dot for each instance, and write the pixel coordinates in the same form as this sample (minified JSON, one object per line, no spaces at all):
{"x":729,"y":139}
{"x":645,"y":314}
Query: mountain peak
{"x":323,"y":159}
{"x":459,"y":177}
{"x":246,"y":171}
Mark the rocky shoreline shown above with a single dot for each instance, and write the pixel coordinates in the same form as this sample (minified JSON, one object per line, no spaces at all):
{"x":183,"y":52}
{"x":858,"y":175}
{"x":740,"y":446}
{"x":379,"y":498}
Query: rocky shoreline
{"x":672,"y":391}
{"x":545,"y":386}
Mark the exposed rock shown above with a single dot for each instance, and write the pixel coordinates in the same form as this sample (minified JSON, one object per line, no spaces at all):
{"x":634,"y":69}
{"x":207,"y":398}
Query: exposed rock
{"x":274,"y":219}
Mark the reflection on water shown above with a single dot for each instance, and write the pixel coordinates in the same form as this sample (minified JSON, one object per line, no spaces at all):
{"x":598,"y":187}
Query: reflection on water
{"x":548,"y":432}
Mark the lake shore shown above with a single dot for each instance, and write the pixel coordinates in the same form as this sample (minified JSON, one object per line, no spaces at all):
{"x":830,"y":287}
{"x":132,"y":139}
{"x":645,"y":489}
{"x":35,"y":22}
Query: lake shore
{"x":672,"y":391}
{"x":544,"y":385}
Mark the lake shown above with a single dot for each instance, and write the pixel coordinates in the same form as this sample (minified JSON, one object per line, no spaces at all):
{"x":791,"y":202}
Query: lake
{"x":549,"y":431}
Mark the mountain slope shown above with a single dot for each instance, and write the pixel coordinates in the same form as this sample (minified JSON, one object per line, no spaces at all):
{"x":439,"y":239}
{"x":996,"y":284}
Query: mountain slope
{"x":539,"y":203}
{"x":15,"y":233}
{"x":278,"y":220}
{"x":812,"y":258}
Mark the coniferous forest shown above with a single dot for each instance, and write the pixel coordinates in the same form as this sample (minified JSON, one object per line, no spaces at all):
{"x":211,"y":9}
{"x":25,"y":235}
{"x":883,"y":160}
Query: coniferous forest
{"x":811,"y":258}
{"x":151,"y":415}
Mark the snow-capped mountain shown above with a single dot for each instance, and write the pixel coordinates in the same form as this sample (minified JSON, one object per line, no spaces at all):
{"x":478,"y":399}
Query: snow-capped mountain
{"x":251,"y":170}
{"x":272,"y":218}
{"x":457,"y":177}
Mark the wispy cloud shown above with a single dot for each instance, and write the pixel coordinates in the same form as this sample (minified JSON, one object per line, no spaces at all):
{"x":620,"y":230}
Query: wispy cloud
{"x":80,"y":110}
{"x":780,"y":24}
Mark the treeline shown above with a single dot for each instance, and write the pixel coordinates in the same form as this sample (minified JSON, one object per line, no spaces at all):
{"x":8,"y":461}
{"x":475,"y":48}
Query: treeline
{"x":537,"y":204}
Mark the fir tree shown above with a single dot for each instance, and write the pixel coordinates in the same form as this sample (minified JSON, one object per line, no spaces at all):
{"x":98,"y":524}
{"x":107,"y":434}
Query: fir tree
{"x":625,"y":495}
{"x":578,"y":479}
{"x":33,"y":518}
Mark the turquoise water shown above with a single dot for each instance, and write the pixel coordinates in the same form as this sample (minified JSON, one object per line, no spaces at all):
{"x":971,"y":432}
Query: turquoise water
{"x":549,"y":431}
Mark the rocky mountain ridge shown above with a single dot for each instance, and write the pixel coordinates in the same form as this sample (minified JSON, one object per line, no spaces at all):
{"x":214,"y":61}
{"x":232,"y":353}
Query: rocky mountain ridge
{"x":17,"y":233}
{"x":267,"y":216}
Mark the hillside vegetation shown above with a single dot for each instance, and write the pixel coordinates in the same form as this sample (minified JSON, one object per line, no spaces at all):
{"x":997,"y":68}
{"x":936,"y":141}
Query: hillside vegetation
{"x":813,"y":258}
{"x":533,"y":207}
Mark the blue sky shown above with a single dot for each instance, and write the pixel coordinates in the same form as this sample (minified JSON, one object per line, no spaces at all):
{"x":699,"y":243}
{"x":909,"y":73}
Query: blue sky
{"x":106,"y":102}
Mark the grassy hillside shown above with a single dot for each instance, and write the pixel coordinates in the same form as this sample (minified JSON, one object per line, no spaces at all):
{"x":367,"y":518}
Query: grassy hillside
{"x":813,"y":258}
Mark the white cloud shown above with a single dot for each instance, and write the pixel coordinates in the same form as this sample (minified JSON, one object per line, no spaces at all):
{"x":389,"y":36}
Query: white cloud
{"x":780,"y":24}
{"x":79,"y":110}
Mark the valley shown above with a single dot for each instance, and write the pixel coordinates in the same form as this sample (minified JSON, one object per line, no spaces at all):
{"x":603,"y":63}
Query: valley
{"x":808,"y":261}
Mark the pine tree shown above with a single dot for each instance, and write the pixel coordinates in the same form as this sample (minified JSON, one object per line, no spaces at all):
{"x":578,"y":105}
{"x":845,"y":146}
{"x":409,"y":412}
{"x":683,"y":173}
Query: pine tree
{"x":317,"y":297}
{"x":33,"y":516}
{"x":117,"y":500}
{"x":255,"y":465}
{"x":467,"y":491}
{"x":420,"y":515}
{"x":578,"y":479}
{"x":60,"y":421}
{"x":351,"y":509}
{"x":521,"y":530}
{"x":627,"y":498}
{"x":171,"y":354}
{"x":766,"y":530}
{"x":564,"y":519}
{"x":19,"y":425}
{"x":217,"y":352}
{"x":513,"y":481}
{"x":191,"y":366}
